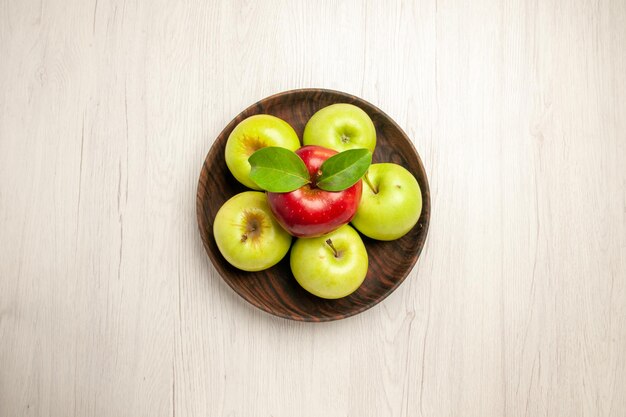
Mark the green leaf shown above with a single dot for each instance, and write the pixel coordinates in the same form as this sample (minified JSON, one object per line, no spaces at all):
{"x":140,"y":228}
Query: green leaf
{"x":343,"y":170}
{"x":278,"y":170}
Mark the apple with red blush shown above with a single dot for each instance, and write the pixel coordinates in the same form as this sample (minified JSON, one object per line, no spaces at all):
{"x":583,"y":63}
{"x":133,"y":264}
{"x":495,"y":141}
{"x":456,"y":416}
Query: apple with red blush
{"x":311,"y":211}
{"x":313,"y":190}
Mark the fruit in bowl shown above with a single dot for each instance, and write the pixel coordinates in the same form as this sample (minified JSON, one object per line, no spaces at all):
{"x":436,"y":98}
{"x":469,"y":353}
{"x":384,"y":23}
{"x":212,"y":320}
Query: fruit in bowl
{"x":391,"y":203}
{"x":340,"y":126}
{"x":252,"y":134}
{"x":312,"y":193}
{"x":247,"y":234}
{"x":310,"y":211}
{"x":330,"y":266}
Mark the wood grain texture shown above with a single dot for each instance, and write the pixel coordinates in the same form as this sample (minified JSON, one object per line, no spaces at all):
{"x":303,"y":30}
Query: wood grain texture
{"x":109,"y":305}
{"x":275,"y":290}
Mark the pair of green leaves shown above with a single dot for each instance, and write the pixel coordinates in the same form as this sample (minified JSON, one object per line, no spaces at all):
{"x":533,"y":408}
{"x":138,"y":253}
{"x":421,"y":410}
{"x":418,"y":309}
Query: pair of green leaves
{"x":280,"y":170}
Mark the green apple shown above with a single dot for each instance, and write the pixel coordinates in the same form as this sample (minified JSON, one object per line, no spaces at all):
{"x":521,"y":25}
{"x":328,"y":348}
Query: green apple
{"x":330,"y":266}
{"x":340,"y":127}
{"x":247,"y":234}
{"x":391,"y":202}
{"x":252,"y":134}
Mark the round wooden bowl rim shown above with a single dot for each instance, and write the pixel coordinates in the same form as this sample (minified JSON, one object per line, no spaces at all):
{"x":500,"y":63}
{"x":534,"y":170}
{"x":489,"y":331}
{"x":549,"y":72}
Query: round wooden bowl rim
{"x":425,"y":189}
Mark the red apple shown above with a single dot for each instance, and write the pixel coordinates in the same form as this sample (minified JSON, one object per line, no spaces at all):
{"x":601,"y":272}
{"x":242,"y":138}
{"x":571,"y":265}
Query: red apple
{"x":310,"y":211}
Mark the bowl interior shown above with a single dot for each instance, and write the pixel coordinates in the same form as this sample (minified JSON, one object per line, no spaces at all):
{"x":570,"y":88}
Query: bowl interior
{"x":275,"y":290}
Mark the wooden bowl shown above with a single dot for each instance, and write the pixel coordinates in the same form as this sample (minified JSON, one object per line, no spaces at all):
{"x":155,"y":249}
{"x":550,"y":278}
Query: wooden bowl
{"x":275,"y":290}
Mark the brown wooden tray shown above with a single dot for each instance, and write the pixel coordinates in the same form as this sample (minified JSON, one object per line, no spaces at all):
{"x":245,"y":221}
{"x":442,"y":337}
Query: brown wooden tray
{"x":275,"y":290}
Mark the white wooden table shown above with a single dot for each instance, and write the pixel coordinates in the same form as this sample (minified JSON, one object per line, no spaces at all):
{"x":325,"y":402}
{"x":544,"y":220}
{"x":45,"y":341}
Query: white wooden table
{"x":109,"y":305}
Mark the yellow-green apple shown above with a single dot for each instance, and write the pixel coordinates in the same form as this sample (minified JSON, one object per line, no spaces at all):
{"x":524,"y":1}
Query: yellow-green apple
{"x":331,"y":266}
{"x":311,"y":211}
{"x":391,"y":203}
{"x":340,"y":127}
{"x":252,"y":134}
{"x":246,"y":233}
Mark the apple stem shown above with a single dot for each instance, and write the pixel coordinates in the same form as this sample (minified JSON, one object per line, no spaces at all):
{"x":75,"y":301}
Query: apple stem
{"x":369,"y":183}
{"x":330,"y":243}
